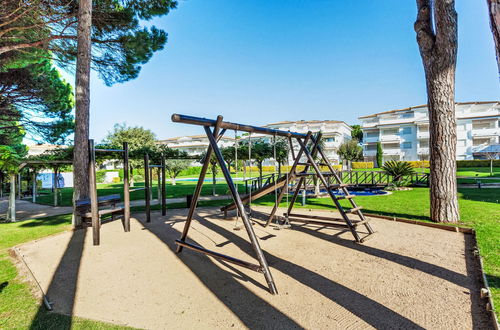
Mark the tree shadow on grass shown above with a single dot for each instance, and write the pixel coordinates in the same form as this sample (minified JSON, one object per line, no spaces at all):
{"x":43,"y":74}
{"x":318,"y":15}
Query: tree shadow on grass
{"x":372,"y":312}
{"x":3,"y":285}
{"x":487,"y":195}
{"x":62,"y":287}
{"x":47,"y":221}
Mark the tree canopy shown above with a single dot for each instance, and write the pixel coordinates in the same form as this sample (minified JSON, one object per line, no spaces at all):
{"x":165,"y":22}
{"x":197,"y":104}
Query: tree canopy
{"x":121,"y":42}
{"x":34,"y":95}
{"x":350,"y":150}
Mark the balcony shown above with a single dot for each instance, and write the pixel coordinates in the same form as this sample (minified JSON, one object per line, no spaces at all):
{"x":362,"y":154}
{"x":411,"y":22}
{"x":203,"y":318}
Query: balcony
{"x":392,"y":152}
{"x":423,"y":151}
{"x":423,"y":135}
{"x":369,"y":153}
{"x":390,"y":138}
{"x":486,"y":132}
{"x":372,"y":139}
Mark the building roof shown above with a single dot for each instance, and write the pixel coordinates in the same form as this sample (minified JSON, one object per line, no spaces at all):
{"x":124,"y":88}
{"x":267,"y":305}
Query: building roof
{"x":174,"y":139}
{"x":307,"y":122}
{"x":423,"y":106}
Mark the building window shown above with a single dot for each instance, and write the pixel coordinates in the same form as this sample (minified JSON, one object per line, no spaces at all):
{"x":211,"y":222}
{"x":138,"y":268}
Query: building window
{"x":370,"y":147}
{"x":407,"y":115}
{"x":406,"y":130}
{"x":330,"y":139}
{"x":424,"y":144}
{"x":406,"y":145}
{"x":372,"y":134}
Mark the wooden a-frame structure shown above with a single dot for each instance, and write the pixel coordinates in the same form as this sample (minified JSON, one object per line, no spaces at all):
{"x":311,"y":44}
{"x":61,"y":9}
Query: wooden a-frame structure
{"x":214,"y":135}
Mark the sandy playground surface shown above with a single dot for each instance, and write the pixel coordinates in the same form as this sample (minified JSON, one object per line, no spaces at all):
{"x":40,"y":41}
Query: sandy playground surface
{"x":407,"y":276}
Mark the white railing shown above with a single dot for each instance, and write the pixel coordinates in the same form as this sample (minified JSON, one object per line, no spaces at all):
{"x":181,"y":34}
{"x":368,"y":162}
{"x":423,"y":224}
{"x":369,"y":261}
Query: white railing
{"x":485,"y":132}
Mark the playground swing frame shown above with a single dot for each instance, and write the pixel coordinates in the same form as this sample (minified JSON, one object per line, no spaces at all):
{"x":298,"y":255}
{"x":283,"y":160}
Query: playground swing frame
{"x":310,"y":153}
{"x":94,"y":202}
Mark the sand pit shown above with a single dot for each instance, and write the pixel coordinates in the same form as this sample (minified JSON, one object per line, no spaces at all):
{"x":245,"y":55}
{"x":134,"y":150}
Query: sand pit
{"x":407,"y":277}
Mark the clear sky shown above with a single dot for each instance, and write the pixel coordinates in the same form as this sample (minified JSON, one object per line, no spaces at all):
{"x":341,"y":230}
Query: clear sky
{"x":259,"y":62}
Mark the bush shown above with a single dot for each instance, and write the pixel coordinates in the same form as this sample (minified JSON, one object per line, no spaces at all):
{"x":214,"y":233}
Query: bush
{"x":420,"y":164}
{"x":478,"y":163}
{"x":193,"y":170}
{"x":99,"y":176}
{"x":361,"y":165}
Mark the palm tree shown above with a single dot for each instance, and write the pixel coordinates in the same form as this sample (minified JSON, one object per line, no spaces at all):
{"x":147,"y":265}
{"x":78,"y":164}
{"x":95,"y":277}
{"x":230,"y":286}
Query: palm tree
{"x":398,"y":169}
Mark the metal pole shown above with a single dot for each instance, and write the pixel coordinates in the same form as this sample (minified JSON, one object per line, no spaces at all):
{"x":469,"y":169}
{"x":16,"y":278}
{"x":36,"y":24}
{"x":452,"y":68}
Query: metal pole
{"x":163,"y":188}
{"x":94,"y":208}
{"x":199,"y":185}
{"x":126,"y":189}
{"x":237,"y":200}
{"x":147,"y":188}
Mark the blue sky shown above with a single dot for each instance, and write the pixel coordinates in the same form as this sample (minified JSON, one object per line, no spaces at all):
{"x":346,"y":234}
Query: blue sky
{"x":258,"y":62}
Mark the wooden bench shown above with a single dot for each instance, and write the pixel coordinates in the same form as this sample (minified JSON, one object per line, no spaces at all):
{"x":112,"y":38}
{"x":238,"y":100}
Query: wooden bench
{"x":105,"y":204}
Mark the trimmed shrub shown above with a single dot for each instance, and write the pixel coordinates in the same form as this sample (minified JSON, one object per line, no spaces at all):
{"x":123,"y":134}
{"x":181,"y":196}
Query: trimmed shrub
{"x":478,"y":163}
{"x":361,"y":165}
{"x":420,"y":164}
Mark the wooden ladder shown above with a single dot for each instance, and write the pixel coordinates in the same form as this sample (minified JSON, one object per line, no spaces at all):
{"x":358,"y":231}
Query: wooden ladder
{"x":355,"y":209}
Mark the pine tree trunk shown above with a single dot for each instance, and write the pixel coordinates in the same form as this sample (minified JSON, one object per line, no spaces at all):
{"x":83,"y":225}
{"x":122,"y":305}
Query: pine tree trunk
{"x":11,"y":210}
{"x":439,"y":54}
{"x":494,"y":12}
{"x":82,"y":98}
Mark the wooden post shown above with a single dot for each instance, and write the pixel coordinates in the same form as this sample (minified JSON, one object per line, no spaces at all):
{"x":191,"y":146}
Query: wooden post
{"x":55,"y":186}
{"x":158,"y":189}
{"x":94,"y":207}
{"x":126,"y":189}
{"x":151,"y":184}
{"x":33,"y":185}
{"x":147,"y":188}
{"x":163,"y":188}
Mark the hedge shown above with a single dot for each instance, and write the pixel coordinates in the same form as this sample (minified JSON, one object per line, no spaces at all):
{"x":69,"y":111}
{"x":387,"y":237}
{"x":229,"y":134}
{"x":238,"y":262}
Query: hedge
{"x":361,"y":165}
{"x":420,"y":163}
{"x":478,"y":163}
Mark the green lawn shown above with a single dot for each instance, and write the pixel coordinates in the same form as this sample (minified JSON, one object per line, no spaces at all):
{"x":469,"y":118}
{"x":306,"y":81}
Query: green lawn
{"x":18,"y":307}
{"x":181,"y":189}
{"x":479,"y":209}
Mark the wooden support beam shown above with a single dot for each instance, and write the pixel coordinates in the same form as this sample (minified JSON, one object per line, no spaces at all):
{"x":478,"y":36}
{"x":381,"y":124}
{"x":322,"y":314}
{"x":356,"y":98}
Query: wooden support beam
{"x":220,"y":256}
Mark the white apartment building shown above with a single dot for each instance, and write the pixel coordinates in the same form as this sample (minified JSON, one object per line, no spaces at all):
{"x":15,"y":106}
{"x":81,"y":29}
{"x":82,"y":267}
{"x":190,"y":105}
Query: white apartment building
{"x":195,"y":144}
{"x":334,"y":132}
{"x":404,"y":133}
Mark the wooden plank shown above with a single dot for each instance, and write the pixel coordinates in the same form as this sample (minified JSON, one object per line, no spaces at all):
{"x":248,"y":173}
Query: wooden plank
{"x":220,"y":256}
{"x":316,"y":217}
{"x":320,"y":223}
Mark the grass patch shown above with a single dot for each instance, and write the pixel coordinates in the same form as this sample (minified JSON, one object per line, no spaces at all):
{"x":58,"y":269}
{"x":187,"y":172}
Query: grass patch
{"x":181,"y":189}
{"x":18,"y":307}
{"x":479,"y":209}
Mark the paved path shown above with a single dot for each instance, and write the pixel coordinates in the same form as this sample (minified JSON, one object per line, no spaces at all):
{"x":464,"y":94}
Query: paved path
{"x":27,"y":210}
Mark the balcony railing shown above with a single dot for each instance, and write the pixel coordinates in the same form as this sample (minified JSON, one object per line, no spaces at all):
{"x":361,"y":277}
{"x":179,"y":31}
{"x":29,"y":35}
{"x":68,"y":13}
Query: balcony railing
{"x":486,"y":132}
